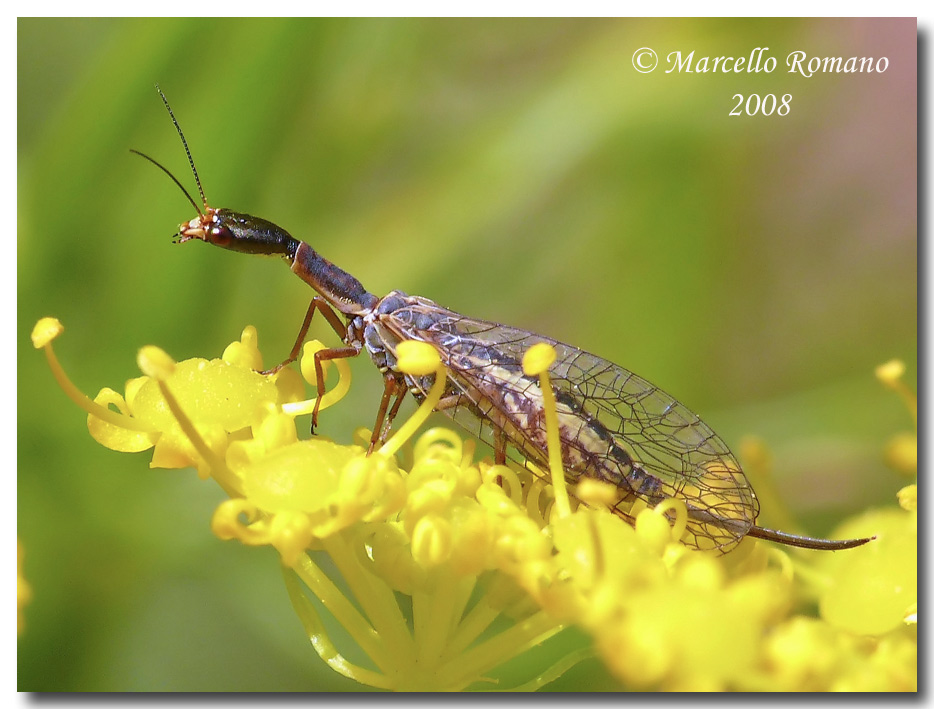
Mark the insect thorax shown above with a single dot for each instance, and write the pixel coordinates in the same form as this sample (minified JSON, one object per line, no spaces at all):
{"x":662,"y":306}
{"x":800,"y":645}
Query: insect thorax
{"x":397,"y":317}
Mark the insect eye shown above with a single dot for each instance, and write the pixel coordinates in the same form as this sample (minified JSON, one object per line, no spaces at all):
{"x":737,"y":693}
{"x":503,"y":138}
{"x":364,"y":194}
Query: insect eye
{"x":220,"y":235}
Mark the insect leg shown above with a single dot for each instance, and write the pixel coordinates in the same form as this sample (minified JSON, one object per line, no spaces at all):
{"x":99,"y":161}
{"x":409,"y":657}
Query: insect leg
{"x":317,"y":303}
{"x":391,"y":387}
{"x":449,"y":402}
{"x":324,"y":356}
{"x":391,"y":416}
{"x":499,"y":447}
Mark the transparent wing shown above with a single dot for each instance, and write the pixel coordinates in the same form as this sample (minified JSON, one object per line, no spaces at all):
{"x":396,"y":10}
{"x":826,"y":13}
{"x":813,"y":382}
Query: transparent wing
{"x":614,"y":425}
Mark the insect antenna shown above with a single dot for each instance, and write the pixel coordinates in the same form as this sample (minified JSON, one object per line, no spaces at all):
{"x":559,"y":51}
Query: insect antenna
{"x":181,"y":135}
{"x":174,"y":178}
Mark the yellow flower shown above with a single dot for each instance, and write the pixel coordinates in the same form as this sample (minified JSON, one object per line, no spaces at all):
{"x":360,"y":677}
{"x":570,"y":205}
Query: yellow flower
{"x":875,"y":589}
{"x":443,"y":572}
{"x":901,"y":452}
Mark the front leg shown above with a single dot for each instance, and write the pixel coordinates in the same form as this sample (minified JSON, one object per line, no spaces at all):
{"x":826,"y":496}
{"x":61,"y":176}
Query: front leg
{"x":317,"y":304}
{"x":324,"y":356}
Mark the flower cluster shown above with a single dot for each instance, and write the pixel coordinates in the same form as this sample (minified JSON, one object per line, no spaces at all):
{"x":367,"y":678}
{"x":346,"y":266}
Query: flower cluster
{"x":443,"y":572}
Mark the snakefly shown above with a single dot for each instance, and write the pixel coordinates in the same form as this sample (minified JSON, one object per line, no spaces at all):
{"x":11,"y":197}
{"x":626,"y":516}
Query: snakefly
{"x":614,"y":425}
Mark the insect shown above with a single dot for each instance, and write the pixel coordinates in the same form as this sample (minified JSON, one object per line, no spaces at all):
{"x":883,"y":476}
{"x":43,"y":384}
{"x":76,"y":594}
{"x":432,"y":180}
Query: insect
{"x":614,"y":425}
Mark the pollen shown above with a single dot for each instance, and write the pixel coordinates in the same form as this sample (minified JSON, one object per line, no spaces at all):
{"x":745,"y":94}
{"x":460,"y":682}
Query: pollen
{"x":418,"y":358}
{"x":538,"y":358}
{"x":46,"y":330}
{"x":155,"y":362}
{"x":891,"y":371}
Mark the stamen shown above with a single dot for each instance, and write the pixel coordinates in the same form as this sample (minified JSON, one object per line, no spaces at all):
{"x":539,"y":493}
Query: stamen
{"x":536,"y":362}
{"x":891,"y":374}
{"x":418,"y":359}
{"x":299,"y":408}
{"x":784,"y":561}
{"x":681,"y":515}
{"x":46,"y":330}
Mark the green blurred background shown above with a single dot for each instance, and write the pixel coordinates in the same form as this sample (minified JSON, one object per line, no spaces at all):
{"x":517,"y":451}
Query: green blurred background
{"x":515,"y":170}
